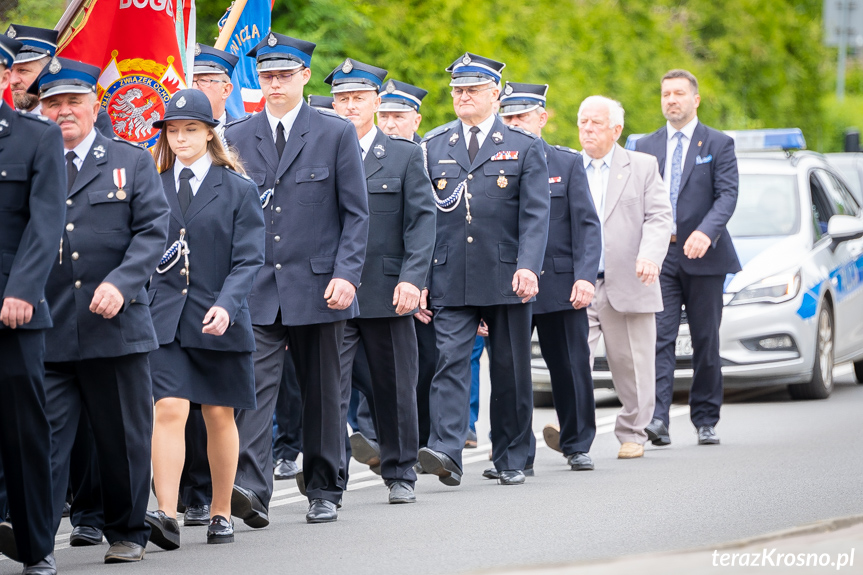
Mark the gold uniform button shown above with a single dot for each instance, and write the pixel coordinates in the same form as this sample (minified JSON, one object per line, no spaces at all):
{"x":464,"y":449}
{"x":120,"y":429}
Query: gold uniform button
{"x":277,"y":238}
{"x":470,"y":176}
{"x":78,"y":284}
{"x":68,"y":202}
{"x":278,"y":210}
{"x":75,"y":256}
{"x":278,"y":266}
{"x":70,"y":227}
{"x":470,"y":239}
{"x":184,"y":292}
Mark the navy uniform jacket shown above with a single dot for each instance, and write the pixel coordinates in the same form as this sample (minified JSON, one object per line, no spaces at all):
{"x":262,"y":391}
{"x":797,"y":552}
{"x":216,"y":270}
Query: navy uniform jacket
{"x":474,"y":262}
{"x":317,"y":220}
{"x":574,"y":239}
{"x":707,"y":197}
{"x":401,"y":223}
{"x":107,"y":239}
{"x":32,"y":183}
{"x":225,"y":233}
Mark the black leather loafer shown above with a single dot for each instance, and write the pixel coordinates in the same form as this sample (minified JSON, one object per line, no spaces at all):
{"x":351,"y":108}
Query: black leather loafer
{"x":285,"y":469}
{"x":322,"y":511}
{"x":657,"y":433}
{"x":366,"y":451}
{"x":511,"y":477}
{"x":492,"y":473}
{"x":707,"y":435}
{"x":84,"y":536}
{"x":247,"y":506}
{"x":220,"y":530}
{"x":402,"y":492}
{"x":580,"y":462}
{"x":124,"y":552}
{"x":8,"y":546}
{"x":164,"y":530}
{"x":441,"y":465}
{"x":46,"y":566}
{"x":196,"y":515}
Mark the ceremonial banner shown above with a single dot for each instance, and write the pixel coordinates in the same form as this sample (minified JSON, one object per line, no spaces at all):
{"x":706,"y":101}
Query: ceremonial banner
{"x":135,"y":43}
{"x":253,"y":24}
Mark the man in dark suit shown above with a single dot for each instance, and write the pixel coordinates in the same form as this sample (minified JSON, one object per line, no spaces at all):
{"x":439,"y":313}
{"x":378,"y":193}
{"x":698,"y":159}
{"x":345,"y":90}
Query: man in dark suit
{"x":400,"y":245}
{"x":308,"y":168}
{"x":490,"y":184}
{"x":566,"y":282}
{"x":96,"y":358}
{"x":31,"y":219}
{"x":700,"y":169}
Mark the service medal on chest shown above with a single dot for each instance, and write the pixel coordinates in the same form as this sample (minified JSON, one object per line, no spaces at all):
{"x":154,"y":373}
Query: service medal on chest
{"x":502,"y":182}
{"x":441,"y":183}
{"x":120,"y":182}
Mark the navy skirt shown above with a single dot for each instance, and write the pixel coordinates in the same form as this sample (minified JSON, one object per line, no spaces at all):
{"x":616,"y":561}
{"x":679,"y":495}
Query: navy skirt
{"x":203,"y":376}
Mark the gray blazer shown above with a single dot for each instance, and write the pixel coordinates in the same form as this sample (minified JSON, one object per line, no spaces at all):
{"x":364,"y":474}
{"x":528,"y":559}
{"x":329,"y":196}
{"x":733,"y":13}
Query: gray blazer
{"x":636,"y":224}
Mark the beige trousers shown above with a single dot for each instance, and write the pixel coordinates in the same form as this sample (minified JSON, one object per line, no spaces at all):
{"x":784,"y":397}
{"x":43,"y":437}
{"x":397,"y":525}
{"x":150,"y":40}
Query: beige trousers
{"x":630,"y":344}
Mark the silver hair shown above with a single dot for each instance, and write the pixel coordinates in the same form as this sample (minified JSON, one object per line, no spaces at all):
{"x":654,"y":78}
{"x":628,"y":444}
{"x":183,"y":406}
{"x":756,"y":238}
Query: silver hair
{"x":615,"y":109}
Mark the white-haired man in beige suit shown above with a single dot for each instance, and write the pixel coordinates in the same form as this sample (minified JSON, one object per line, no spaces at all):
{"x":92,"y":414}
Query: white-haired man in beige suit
{"x":635,"y":213}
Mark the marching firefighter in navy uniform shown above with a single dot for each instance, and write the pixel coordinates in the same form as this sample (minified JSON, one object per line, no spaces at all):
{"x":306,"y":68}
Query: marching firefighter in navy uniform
{"x":566,"y":283}
{"x":198,"y":302}
{"x":32,"y":186}
{"x":491,"y":188}
{"x":308,"y":168}
{"x":399,"y":112}
{"x":96,"y":359}
{"x":400,"y":245}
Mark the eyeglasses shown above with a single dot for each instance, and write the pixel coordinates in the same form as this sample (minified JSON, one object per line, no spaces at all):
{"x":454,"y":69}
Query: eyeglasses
{"x":205,"y":82}
{"x":471,"y":92}
{"x":282,"y":78}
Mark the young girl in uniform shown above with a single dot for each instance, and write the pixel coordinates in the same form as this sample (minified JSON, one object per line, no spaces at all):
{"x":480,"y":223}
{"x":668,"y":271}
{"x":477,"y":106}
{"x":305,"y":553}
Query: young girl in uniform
{"x":198,"y":303}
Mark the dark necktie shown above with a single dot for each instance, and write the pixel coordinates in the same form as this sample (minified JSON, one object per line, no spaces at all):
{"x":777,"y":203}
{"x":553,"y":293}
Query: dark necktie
{"x":473,"y":144}
{"x":71,"y":170}
{"x":184,"y":194}
{"x":280,"y":138}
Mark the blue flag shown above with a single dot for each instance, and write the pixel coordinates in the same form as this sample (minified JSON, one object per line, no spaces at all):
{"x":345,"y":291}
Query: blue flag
{"x":253,"y":24}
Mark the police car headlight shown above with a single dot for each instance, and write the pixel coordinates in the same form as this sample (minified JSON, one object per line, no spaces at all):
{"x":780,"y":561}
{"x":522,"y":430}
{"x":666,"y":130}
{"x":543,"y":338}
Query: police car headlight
{"x":775,"y":289}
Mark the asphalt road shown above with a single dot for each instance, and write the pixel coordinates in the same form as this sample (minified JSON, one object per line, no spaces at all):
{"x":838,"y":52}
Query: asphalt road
{"x":782,"y":463}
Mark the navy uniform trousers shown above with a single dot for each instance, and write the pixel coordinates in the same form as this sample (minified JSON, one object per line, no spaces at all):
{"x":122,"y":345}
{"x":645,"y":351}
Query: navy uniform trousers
{"x":24,"y":431}
{"x":511,"y":402}
{"x":288,"y":442}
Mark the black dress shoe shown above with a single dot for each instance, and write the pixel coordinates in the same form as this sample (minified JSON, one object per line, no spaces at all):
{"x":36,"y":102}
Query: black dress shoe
{"x":247,"y":506}
{"x":511,"y":477}
{"x":8,"y":547}
{"x":441,"y":465}
{"x":322,"y":511}
{"x":492,"y":473}
{"x":84,"y":536}
{"x":402,"y":492}
{"x":220,"y":531}
{"x":657,"y":433}
{"x":366,"y":451}
{"x":124,"y":552}
{"x":67,"y":509}
{"x":196,"y":515}
{"x":580,"y":462}
{"x":707,"y":435}
{"x":46,"y":566}
{"x":164,"y":530}
{"x":285,"y":469}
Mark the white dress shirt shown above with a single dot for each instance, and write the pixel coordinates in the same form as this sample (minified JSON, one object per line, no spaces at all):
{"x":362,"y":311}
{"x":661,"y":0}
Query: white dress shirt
{"x":484,"y":129}
{"x":199,"y":168}
{"x":367,"y":140}
{"x":600,"y":209}
{"x":82,"y":149}
{"x":287,"y":120}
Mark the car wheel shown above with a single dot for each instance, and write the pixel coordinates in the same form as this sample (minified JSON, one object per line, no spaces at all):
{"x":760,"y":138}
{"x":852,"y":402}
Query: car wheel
{"x":542,"y":399}
{"x":858,"y":371}
{"x":822,"y":372}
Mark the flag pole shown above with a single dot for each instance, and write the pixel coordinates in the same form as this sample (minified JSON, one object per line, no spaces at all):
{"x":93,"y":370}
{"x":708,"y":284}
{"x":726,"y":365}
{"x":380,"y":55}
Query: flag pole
{"x":68,"y":14}
{"x":230,"y":24}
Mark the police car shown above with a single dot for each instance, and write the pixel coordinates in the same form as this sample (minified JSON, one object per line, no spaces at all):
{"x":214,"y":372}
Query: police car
{"x":796,"y":308}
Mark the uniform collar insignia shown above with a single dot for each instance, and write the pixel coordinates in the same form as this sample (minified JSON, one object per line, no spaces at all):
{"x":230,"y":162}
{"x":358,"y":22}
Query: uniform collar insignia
{"x":453,"y":139}
{"x":4,"y":123}
{"x":497,"y":137}
{"x":99,"y":152}
{"x":379,"y":151}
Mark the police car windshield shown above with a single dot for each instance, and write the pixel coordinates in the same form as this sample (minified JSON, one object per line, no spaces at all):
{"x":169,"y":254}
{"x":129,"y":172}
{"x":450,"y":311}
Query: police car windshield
{"x":767,"y":205}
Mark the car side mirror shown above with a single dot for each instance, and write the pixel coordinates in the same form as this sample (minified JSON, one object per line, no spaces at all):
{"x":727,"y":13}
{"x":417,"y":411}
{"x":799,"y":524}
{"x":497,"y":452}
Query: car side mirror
{"x":844,"y":228}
